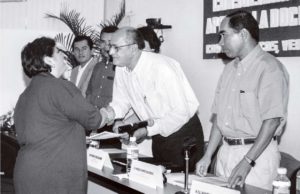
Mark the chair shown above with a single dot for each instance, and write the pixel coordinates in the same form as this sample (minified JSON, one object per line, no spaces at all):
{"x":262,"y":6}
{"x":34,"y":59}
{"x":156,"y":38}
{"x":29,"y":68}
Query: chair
{"x":9,"y":150}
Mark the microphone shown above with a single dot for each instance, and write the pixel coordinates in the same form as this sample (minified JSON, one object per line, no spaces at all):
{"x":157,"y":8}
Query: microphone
{"x":132,"y":127}
{"x":189,"y":142}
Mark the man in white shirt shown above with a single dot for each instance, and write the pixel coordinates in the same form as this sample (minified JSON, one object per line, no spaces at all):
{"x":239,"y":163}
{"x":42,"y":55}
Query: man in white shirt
{"x":155,"y":87}
{"x":83,"y":52}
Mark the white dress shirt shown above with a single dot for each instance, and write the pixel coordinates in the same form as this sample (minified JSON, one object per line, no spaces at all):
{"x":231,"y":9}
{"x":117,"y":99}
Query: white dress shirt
{"x":156,"y":88}
{"x":81,"y":70}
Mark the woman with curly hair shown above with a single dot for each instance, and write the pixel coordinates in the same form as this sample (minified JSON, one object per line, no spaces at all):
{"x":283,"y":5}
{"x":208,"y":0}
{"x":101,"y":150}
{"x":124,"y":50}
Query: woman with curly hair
{"x":50,"y":118}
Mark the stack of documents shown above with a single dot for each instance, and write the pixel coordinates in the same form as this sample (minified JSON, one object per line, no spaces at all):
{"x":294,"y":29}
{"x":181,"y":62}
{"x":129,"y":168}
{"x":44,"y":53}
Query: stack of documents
{"x":104,"y":135}
{"x":178,"y":179}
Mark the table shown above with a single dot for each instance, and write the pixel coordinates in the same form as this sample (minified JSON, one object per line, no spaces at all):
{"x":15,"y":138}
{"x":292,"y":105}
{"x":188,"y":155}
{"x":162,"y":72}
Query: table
{"x":106,"y":179}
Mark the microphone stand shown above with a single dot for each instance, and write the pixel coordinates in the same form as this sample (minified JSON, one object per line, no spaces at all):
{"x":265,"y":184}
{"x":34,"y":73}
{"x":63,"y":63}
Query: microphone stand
{"x":186,"y":175}
{"x":189,"y":143}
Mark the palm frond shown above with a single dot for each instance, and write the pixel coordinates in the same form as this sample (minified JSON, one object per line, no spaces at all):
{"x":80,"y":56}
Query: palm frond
{"x":77,"y":25}
{"x":117,"y":18}
{"x":65,"y":40}
{"x":73,"y":20}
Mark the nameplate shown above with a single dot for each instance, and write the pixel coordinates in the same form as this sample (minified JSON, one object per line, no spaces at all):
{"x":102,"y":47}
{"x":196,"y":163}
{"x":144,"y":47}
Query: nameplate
{"x":147,"y":174}
{"x":206,"y":188}
{"x":97,"y":159}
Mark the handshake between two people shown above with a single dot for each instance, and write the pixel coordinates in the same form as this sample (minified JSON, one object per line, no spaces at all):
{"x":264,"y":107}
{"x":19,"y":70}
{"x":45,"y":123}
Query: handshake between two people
{"x":126,"y":128}
{"x":108,"y":116}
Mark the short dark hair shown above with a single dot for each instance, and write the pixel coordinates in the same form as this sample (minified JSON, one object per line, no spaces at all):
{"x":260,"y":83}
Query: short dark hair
{"x":243,"y":19}
{"x":150,"y":36}
{"x":134,"y":36}
{"x":83,"y":37}
{"x":109,"y":29}
{"x":33,"y":54}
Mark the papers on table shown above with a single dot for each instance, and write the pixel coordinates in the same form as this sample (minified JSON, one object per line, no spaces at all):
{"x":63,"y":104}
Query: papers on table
{"x":113,"y":150}
{"x":121,"y":176}
{"x":215,"y":180}
{"x":104,"y":135}
{"x":178,"y":179}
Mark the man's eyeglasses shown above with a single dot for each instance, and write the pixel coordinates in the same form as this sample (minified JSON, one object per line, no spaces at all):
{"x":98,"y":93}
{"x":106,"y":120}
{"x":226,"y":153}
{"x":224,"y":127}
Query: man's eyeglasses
{"x":117,"y":48}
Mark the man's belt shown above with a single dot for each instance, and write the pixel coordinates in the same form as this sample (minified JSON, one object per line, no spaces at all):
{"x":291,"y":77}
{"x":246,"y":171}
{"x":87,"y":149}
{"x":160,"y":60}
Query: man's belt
{"x":241,"y":141}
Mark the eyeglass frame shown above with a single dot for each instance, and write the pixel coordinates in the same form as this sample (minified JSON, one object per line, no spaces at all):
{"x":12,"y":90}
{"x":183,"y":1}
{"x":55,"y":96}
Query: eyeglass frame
{"x":117,"y":48}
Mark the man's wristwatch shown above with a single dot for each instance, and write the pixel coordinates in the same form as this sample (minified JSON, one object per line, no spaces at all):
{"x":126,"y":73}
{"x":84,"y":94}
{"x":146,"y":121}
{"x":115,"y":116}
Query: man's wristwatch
{"x":251,"y":162}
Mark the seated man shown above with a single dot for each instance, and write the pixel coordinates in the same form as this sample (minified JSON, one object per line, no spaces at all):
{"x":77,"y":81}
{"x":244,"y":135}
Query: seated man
{"x":155,"y":87}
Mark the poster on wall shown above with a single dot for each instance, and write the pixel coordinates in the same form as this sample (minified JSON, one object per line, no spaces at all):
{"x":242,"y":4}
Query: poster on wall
{"x":279,"y":24}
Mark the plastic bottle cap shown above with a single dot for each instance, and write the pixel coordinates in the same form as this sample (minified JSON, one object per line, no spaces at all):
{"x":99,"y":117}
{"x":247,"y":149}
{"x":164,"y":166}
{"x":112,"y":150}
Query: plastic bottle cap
{"x":132,"y":139}
{"x":281,"y":170}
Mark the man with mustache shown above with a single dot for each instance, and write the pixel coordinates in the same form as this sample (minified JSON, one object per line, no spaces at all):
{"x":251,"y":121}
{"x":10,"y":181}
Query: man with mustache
{"x":249,"y":109}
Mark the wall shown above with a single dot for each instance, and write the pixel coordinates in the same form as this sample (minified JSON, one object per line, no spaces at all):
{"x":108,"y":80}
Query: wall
{"x":183,"y":42}
{"x":30,"y":14}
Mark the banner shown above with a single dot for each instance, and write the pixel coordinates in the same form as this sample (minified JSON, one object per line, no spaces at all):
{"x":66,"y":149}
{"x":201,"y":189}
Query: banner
{"x":279,"y":24}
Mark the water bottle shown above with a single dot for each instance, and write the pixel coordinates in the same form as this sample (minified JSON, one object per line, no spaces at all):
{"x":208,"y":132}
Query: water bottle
{"x":298,"y":182}
{"x":132,"y":153}
{"x":281,"y":184}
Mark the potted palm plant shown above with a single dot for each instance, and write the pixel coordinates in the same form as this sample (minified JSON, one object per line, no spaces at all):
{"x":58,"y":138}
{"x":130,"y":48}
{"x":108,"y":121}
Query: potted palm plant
{"x":77,"y":24}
